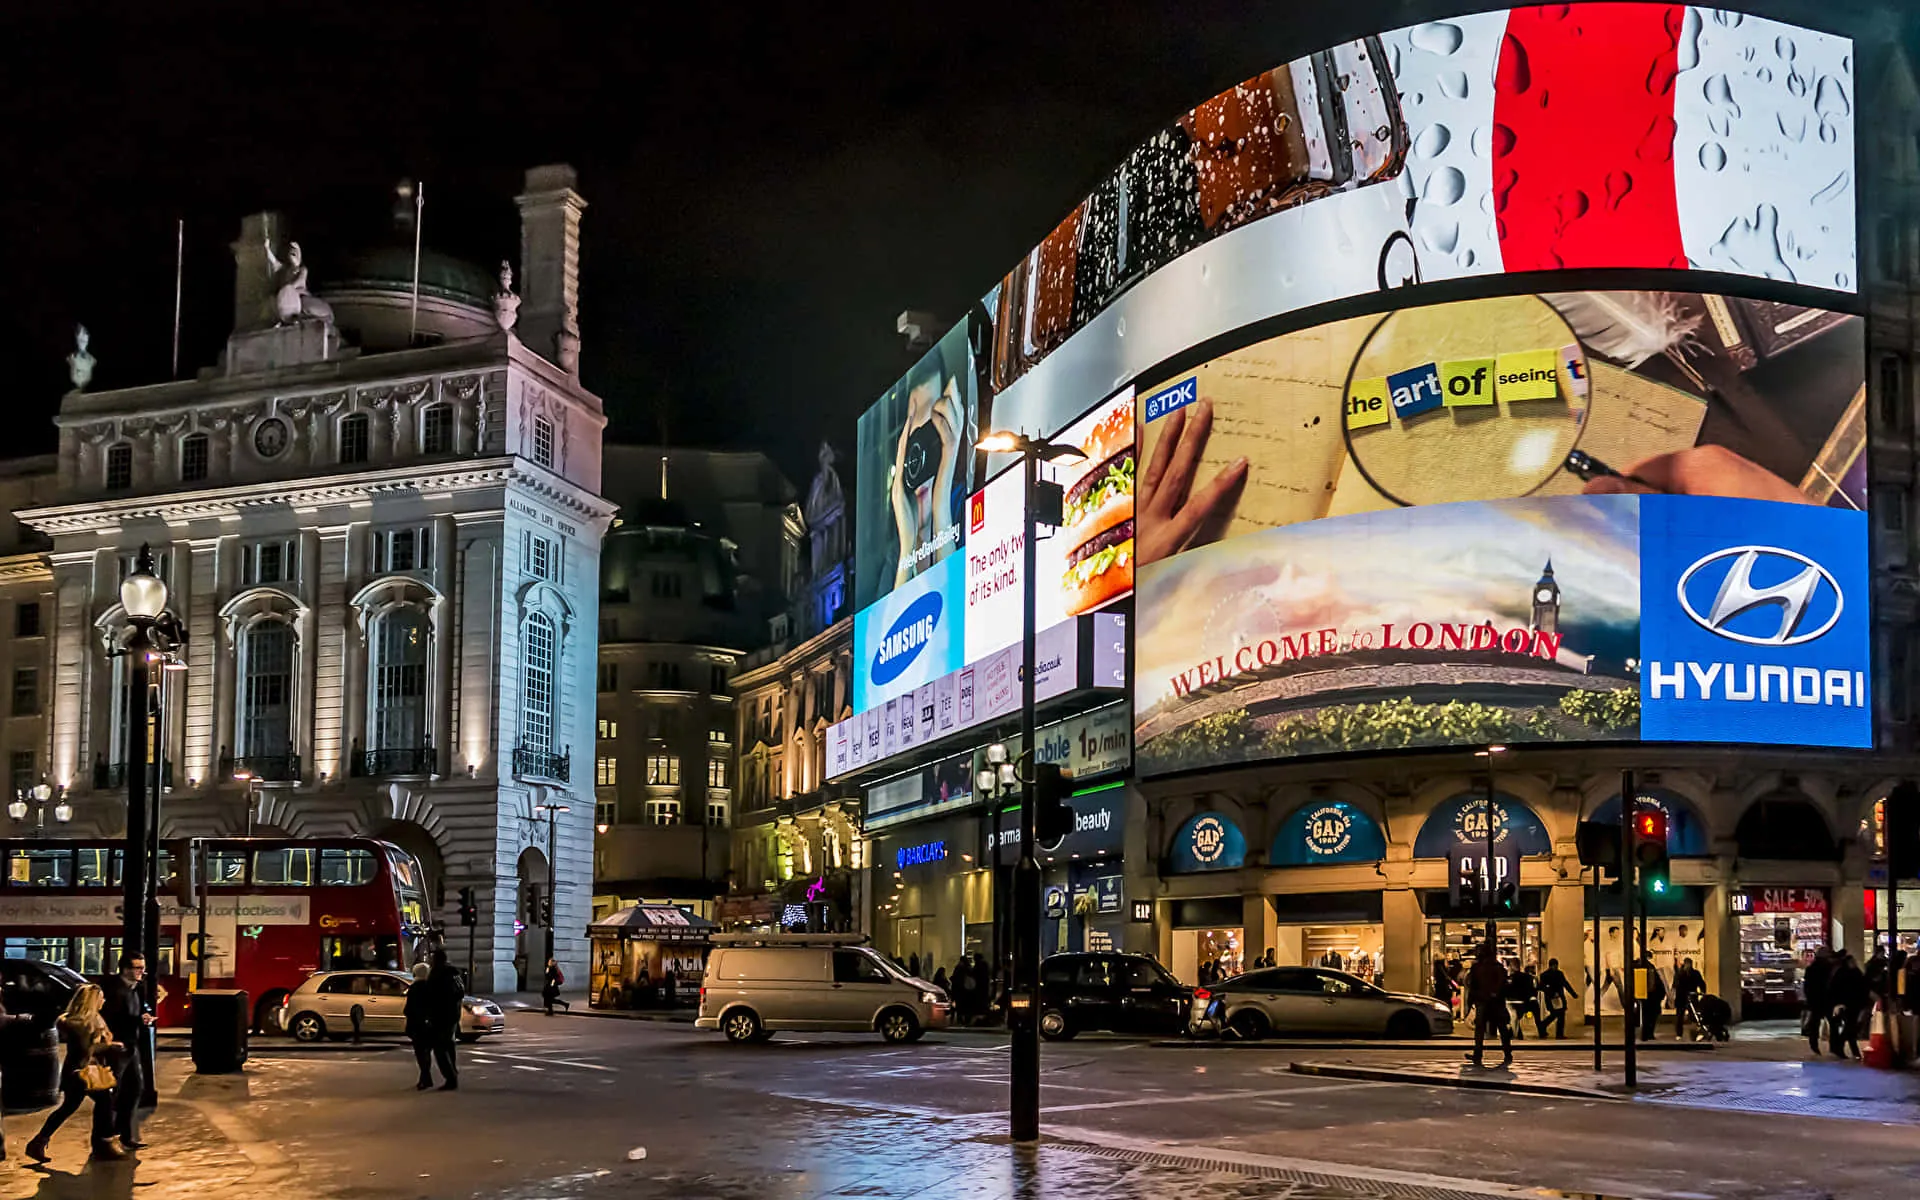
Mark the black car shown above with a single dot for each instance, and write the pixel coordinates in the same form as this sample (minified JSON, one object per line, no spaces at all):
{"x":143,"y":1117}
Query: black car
{"x":29,"y":1050}
{"x":1124,"y":993}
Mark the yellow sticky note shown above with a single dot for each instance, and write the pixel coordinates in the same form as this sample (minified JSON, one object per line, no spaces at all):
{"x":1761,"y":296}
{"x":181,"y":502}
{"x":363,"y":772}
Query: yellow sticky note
{"x":1367,"y":403}
{"x":1467,"y":381}
{"x":1528,"y":375}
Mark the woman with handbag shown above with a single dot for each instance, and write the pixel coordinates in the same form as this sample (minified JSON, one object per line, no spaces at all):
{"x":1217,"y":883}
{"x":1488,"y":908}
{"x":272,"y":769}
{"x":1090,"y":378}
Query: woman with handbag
{"x":84,"y":1072}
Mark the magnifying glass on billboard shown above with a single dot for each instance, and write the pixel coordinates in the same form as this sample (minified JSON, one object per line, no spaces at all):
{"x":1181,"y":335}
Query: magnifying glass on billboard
{"x":1475,"y":400}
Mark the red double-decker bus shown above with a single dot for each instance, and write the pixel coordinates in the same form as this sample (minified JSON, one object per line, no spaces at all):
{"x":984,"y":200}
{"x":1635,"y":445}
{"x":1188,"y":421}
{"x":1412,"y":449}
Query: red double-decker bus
{"x":277,"y":910}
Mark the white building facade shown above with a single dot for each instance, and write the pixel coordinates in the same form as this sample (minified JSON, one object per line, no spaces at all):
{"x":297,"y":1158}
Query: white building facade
{"x":386,"y":556}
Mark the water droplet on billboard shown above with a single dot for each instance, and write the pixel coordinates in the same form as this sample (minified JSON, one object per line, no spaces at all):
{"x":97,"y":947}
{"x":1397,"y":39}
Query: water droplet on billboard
{"x":1619,"y":183}
{"x":1829,"y":132}
{"x":1465,"y":258}
{"x":1842,"y":280}
{"x":1454,"y":84}
{"x":1720,"y":124}
{"x":1513,"y":75}
{"x":1571,"y":205}
{"x":1432,"y":141}
{"x":1445,"y":186}
{"x":1713,"y":156}
{"x":1437,"y":37}
{"x":1730,"y":19}
{"x":1784,"y":47}
{"x":1836,"y":187}
{"x":1441,"y":237}
{"x":1719,"y":93}
{"x":1688,"y":50}
{"x":1503,"y":182}
{"x":1831,"y":98}
{"x":1793,"y":129}
{"x":1764,"y":74}
{"x":1504,"y":139}
{"x":1657,"y":145}
{"x":1752,"y":247}
{"x":1660,"y":75}
{"x":1796,"y":83}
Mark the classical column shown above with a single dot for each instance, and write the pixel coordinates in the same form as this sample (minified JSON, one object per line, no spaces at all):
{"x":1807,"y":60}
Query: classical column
{"x":443,"y":644}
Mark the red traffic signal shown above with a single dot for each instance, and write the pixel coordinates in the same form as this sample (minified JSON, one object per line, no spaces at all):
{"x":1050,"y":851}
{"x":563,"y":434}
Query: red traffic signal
{"x":1649,"y":835}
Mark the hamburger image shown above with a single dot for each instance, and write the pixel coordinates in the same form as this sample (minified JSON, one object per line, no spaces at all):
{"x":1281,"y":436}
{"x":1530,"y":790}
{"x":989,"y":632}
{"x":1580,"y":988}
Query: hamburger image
{"x":1099,"y":517}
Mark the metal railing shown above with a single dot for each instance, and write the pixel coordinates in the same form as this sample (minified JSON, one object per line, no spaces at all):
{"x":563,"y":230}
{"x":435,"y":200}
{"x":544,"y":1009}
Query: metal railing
{"x":543,"y":764}
{"x":406,"y":760}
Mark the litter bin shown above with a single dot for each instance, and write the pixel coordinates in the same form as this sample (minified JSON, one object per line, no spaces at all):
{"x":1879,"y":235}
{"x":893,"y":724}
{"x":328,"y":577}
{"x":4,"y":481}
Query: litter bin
{"x":30,"y":1066}
{"x":220,"y":1021}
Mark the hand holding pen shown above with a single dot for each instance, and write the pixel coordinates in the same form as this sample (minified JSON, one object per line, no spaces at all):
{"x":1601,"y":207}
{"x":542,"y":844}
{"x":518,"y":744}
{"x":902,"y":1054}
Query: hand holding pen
{"x":1695,"y":471}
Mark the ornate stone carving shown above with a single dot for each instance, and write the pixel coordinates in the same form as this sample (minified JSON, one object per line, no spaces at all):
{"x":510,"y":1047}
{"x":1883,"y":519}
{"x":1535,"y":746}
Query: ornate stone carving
{"x":80,"y":364}
{"x":291,"y":300}
{"x":506,"y":305}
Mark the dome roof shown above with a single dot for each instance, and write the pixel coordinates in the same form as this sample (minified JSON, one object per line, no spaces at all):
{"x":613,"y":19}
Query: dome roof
{"x":391,"y":268}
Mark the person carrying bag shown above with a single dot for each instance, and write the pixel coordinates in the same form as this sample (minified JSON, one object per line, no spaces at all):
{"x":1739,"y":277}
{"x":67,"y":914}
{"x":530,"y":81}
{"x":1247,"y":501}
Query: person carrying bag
{"x":83,"y":1073}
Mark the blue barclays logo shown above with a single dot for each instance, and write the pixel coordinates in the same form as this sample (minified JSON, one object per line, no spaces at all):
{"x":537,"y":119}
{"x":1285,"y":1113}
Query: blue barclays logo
{"x":1172,"y":399}
{"x":917,"y":856}
{"x":906,"y":639}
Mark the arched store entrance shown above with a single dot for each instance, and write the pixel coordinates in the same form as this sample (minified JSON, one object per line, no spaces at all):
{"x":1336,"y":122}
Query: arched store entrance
{"x":1459,"y":831}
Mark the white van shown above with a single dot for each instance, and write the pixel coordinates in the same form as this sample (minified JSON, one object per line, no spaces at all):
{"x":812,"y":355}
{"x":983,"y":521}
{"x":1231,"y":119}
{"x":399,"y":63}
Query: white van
{"x":756,"y":985}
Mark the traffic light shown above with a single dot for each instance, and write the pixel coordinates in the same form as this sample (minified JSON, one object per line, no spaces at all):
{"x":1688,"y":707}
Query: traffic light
{"x":469,"y":914}
{"x":1053,"y":814}
{"x":1469,"y":900}
{"x":1507,"y":900}
{"x":1650,"y":851}
{"x":546,"y":910}
{"x":1901,"y":813}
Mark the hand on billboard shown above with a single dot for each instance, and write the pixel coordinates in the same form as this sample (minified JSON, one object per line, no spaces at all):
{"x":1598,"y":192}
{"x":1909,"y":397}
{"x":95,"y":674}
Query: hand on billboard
{"x":902,"y":507}
{"x":1699,"y":471}
{"x":1171,"y":512}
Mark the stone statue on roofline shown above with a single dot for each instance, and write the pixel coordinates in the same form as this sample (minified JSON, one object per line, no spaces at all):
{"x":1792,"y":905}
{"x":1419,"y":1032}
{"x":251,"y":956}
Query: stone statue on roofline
{"x":292,"y":302}
{"x":80,"y":364}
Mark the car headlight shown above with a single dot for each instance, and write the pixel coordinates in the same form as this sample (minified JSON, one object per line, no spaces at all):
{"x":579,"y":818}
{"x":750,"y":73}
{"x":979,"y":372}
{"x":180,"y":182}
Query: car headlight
{"x":930,"y":997}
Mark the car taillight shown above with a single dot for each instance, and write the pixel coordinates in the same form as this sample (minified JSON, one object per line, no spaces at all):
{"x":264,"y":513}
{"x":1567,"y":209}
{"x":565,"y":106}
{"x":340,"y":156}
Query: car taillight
{"x":1202,"y":994}
{"x":703,"y":993}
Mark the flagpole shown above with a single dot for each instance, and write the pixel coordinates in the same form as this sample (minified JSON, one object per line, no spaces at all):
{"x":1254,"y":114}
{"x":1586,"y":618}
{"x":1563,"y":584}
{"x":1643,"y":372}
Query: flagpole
{"x":419,"y":211}
{"x":179,"y":273}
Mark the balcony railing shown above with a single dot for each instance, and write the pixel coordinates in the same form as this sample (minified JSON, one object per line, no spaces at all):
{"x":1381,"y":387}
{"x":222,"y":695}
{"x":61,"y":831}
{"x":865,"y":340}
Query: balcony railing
{"x":114,"y":775}
{"x":267,"y":768}
{"x":543,"y":764}
{"x":408,"y":760}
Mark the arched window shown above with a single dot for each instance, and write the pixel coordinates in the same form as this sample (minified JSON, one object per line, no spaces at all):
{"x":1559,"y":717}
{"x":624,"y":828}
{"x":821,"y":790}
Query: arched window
{"x":193,"y":458}
{"x":436,"y":430}
{"x":354,"y":434}
{"x":266,"y":698}
{"x":119,"y":467}
{"x":536,"y":690}
{"x":397,"y":702}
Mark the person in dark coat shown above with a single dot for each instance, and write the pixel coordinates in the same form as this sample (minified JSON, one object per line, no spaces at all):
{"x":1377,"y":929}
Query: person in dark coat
{"x":127,"y":1015}
{"x":550,"y":987}
{"x":1486,"y":992}
{"x":1813,"y":992}
{"x":87,"y":1040}
{"x":1847,"y":993}
{"x":939,"y":979}
{"x":1656,"y":997}
{"x":7,"y":1020}
{"x":1554,"y":990}
{"x":1687,"y":983}
{"x":1523,"y":994}
{"x":444,"y":996}
{"x":420,"y":1030}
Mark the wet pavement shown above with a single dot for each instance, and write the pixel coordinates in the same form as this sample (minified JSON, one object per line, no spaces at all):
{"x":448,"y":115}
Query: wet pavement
{"x":559,"y":1109}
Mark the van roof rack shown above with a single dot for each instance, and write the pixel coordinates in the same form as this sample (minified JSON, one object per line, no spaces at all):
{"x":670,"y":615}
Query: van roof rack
{"x":789,"y":939}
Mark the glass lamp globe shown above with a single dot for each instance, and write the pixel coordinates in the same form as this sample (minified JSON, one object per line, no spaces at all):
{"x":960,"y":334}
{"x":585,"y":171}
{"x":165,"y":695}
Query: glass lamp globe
{"x":143,"y":596}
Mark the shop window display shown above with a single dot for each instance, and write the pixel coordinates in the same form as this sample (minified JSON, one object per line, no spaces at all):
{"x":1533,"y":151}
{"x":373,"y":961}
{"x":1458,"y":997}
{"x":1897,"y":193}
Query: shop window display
{"x":1195,"y":949}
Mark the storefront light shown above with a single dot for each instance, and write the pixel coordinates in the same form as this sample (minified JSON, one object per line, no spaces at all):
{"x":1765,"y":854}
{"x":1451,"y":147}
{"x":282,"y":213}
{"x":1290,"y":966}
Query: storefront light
{"x":984,"y":781}
{"x":997,"y":753}
{"x":1008,"y":775}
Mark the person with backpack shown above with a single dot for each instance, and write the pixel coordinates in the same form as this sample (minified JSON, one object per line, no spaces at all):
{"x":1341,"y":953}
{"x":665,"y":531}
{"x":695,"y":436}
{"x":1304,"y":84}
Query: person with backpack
{"x":550,"y":989}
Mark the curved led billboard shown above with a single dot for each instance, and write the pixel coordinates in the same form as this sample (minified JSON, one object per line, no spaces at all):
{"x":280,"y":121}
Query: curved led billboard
{"x":1627,"y":505}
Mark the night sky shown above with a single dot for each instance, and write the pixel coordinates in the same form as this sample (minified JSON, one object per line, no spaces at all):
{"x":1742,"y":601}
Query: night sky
{"x":769,"y":184}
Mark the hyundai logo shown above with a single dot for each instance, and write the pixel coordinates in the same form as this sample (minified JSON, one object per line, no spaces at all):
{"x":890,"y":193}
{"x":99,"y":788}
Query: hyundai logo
{"x":1795,"y":600}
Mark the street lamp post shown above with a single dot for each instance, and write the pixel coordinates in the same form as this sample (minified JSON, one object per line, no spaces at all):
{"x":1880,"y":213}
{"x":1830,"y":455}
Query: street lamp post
{"x":1022,"y":1010}
{"x":1490,"y":895}
{"x":550,"y":811}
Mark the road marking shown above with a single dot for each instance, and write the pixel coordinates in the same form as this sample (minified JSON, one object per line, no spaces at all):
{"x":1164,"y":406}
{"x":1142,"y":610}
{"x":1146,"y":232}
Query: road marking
{"x":552,"y":1062}
{"x":1202,"y":1097}
{"x":519,"y":1067}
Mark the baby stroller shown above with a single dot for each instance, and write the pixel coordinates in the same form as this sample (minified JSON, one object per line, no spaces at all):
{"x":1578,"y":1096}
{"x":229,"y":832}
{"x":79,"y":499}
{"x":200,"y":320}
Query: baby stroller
{"x":1711,"y":1016}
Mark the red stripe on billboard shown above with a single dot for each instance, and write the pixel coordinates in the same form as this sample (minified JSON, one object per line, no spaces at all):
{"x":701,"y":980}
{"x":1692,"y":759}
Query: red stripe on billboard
{"x":1583,"y":137}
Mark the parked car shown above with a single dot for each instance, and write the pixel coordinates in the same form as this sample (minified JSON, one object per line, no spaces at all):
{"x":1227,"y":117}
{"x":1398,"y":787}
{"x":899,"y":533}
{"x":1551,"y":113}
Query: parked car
{"x":30,"y":1050}
{"x":757,"y":986}
{"x":323,"y":1007}
{"x":1124,"y":993}
{"x":1315,"y":1002}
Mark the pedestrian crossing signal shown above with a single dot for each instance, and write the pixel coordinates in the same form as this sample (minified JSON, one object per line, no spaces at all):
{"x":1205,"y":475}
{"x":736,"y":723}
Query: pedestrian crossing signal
{"x":1650,"y":850}
{"x":469,"y":912}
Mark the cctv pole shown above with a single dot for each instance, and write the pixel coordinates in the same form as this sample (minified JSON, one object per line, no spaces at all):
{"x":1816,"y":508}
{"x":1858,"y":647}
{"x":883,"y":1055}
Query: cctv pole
{"x":1629,"y":993}
{"x":1023,"y":1019}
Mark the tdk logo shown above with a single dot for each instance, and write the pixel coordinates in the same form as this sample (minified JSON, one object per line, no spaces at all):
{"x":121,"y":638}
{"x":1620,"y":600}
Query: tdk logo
{"x":904,"y":641}
{"x":1172,"y":399}
{"x":1761,"y":595}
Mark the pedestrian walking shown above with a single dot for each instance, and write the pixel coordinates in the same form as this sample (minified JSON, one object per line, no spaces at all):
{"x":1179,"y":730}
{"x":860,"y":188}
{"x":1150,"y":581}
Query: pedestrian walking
{"x":1444,"y":987}
{"x":940,"y":979}
{"x":1879,"y":972}
{"x":913,"y":965}
{"x":1486,"y":991}
{"x":963,"y":990}
{"x":84,"y":1072}
{"x":444,"y":996}
{"x":1848,"y":995}
{"x":127,"y":1016}
{"x":1554,"y":990}
{"x":8,"y":1020}
{"x":420,"y":1030}
{"x":1656,"y":996}
{"x":1522,"y":994}
{"x":1813,"y":996}
{"x":1687,"y":985}
{"x":550,"y":988}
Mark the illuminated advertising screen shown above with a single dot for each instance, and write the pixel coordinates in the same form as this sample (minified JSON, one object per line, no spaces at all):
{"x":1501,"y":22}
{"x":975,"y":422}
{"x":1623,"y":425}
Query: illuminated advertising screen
{"x":1574,"y":516}
{"x":1084,"y":565}
{"x":1615,"y":135}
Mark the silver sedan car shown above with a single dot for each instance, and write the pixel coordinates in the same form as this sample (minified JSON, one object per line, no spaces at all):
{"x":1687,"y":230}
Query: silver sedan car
{"x":324,"y":1006}
{"x":1314,"y":1002}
